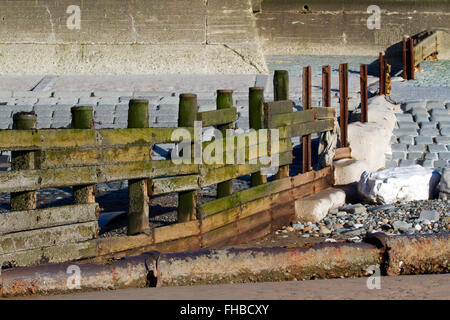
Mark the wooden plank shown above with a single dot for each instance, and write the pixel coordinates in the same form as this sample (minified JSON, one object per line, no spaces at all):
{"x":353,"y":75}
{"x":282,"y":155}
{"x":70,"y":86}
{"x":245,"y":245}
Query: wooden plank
{"x":278,"y":107}
{"x":244,"y":196}
{"x":53,"y":254}
{"x":234,"y":171}
{"x":109,"y":245}
{"x":176,"y":231}
{"x":25,"y":180}
{"x":174,"y":184}
{"x":217,"y":117}
{"x":292,"y":118}
{"x":73,"y":157}
{"x":324,"y":113}
{"x":48,"y":237}
{"x":16,"y":221}
{"x":343,"y":153}
{"x":82,"y":138}
{"x":304,"y":129}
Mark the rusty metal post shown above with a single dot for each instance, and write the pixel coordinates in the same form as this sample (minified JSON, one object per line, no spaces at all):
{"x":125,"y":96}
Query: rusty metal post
{"x":281,"y":92}
{"x":364,"y":93}
{"x":343,"y":101}
{"x":256,"y":120}
{"x":326,"y":86}
{"x":83,"y":118}
{"x":382,"y":79}
{"x":411,"y":59}
{"x":24,"y":160}
{"x":404,"y":58}
{"x":224,"y":101}
{"x":306,"y":101}
{"x":138,"y":212}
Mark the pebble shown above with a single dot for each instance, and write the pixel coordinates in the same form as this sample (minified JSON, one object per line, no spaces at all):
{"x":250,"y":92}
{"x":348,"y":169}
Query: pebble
{"x":430,"y":215}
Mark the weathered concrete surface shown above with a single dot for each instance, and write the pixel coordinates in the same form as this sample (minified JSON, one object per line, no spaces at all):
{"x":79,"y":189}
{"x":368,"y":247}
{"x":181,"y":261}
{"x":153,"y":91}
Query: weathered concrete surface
{"x":321,"y":27}
{"x":422,"y":287}
{"x":198,"y":36}
{"x":315,"y":207}
{"x":159,"y":36}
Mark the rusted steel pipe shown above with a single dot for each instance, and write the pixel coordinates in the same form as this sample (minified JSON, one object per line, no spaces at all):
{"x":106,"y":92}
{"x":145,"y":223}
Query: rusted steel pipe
{"x":131,"y":272}
{"x":265,"y":264}
{"x":364,"y":93}
{"x":413,"y":254}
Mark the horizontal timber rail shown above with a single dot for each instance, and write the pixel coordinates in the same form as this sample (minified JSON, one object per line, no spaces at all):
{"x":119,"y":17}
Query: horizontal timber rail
{"x":423,"y":46}
{"x":83,"y":157}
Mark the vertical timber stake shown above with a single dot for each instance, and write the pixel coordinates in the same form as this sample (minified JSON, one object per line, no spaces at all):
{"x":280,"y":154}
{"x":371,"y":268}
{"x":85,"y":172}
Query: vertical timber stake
{"x":343,"y":100}
{"x":82,"y":118}
{"x":138,"y":212}
{"x":411,"y":59}
{"x":364,"y":93}
{"x":256,"y":120}
{"x":281,"y":92}
{"x":306,"y":101}
{"x":326,"y":86}
{"x":224,"y":101}
{"x":405,"y":58}
{"x":24,"y":160}
{"x":187,"y":115}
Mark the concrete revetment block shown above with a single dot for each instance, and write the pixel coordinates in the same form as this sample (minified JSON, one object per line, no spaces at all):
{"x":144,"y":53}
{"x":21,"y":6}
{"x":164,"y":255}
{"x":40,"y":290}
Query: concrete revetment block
{"x":315,"y":207}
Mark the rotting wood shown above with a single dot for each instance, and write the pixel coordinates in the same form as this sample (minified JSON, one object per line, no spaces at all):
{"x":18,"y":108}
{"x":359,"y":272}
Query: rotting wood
{"x":326,"y":86}
{"x":176,"y":231}
{"x":225,"y":102}
{"x":17,"y":221}
{"x":256,"y":121}
{"x":324,"y":113}
{"x":217,"y":117}
{"x":343,"y":153}
{"x":174,"y":184}
{"x":23,"y":160}
{"x":83,"y":118}
{"x":292,"y":118}
{"x":46,"y":237}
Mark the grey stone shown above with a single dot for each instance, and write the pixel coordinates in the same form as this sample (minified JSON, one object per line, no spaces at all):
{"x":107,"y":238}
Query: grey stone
{"x":423,"y":140}
{"x":68,"y":100}
{"x":406,"y":139}
{"x":115,"y":94}
{"x":406,"y":163}
{"x":439,"y":112}
{"x":26,"y":101}
{"x":72,"y":94}
{"x":414,"y":155}
{"x":398,"y":147}
{"x":434,"y":104}
{"x":395,"y":140}
{"x":353,"y":208}
{"x":431,"y":156}
{"x":437,"y":148}
{"x":445,"y":131}
{"x":419,"y":110}
{"x":444,"y":155}
{"x":405,"y":132}
{"x":404,"y":117}
{"x":440,"y":117}
{"x":443,"y":124}
{"x":401,"y":225}
{"x":429,"y":132}
{"x":402,"y":125}
{"x":5,"y":94}
{"x":398,"y":155}
{"x":416,"y":148}
{"x":383,"y":207}
{"x":427,"y":163}
{"x":431,"y":215}
{"x":391,"y":164}
{"x":429,"y":124}
{"x":421,"y":118}
{"x":442,"y":139}
{"x":440,"y":163}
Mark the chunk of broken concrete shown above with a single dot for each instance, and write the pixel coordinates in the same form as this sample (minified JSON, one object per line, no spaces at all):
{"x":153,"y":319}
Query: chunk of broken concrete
{"x":444,"y":185}
{"x":398,"y":184}
{"x":315,"y":207}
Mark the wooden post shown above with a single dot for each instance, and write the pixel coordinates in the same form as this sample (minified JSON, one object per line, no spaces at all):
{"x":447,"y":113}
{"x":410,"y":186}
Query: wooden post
{"x":187,"y":114}
{"x":138,"y":212}
{"x":224,"y":101}
{"x":281,"y":85}
{"x":382,"y":79}
{"x":343,"y":99}
{"x":256,"y":120}
{"x":326,"y":86}
{"x":306,"y":101}
{"x":281,"y":92}
{"x":364,"y":93}
{"x":24,"y":160}
{"x":82,"y":118}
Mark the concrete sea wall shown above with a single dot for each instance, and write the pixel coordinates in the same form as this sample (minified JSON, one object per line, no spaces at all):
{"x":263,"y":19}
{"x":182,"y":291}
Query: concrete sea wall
{"x":198,"y":36}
